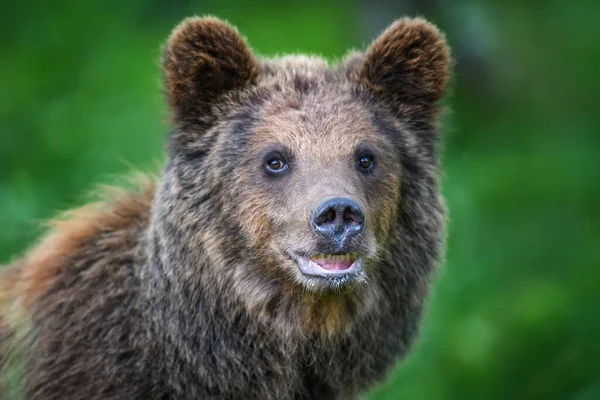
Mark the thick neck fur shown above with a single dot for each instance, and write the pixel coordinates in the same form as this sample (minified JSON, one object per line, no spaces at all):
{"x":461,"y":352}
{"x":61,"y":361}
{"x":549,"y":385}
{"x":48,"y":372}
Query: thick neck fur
{"x":202,"y":329}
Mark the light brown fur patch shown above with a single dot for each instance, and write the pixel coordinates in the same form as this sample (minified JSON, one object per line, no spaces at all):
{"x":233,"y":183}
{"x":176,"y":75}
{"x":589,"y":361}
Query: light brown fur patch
{"x":12,"y":312}
{"x":67,"y":236}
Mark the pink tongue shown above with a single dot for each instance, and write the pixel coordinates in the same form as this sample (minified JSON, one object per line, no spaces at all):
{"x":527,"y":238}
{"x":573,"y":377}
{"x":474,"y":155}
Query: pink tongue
{"x":335,"y":265}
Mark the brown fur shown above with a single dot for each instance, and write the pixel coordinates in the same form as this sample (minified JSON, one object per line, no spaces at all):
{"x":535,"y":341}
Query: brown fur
{"x":70,"y":233}
{"x":190,"y":288}
{"x":410,"y":59}
{"x":205,"y":58}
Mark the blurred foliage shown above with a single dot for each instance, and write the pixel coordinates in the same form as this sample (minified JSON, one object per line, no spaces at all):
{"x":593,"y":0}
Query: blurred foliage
{"x":516,"y":309}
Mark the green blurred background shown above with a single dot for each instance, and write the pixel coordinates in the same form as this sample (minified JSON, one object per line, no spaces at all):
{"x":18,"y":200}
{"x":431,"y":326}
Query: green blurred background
{"x":516,"y":310}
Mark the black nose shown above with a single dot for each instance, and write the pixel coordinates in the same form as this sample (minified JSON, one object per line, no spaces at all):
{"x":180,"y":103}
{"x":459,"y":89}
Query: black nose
{"x":338,"y":219}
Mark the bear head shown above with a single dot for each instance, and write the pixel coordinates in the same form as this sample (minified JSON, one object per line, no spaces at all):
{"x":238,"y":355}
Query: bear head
{"x":307,"y":191}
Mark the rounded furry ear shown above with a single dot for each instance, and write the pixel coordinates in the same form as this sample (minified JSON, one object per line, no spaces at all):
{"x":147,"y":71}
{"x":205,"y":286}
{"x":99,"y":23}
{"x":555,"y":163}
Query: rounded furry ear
{"x":203,"y":59}
{"x":410,"y":60}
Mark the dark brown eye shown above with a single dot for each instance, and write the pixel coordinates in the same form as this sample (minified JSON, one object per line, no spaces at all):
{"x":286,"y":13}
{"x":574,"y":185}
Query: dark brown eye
{"x":275,"y":164}
{"x":365,"y":162}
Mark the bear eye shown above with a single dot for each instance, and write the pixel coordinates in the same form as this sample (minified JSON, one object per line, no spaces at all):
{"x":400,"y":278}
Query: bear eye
{"x":366,"y":162}
{"x":276,"y":164}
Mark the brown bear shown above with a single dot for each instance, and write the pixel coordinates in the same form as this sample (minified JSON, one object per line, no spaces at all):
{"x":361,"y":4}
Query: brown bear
{"x":285,"y":251}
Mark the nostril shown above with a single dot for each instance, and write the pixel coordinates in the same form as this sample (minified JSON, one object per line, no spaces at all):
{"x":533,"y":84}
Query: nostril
{"x":353,"y":217}
{"x":330,"y":217}
{"x":325,"y":217}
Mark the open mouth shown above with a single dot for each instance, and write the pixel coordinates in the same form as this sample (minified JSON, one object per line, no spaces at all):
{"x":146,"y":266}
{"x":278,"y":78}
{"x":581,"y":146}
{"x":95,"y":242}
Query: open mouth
{"x":330,"y":265}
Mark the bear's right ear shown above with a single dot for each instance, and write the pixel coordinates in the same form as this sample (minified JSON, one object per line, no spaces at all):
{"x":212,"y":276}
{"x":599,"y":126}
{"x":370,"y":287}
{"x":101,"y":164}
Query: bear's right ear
{"x":203,"y":59}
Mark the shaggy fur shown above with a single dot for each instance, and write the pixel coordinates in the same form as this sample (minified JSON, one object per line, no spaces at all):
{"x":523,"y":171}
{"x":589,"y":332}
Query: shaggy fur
{"x":190,"y":289}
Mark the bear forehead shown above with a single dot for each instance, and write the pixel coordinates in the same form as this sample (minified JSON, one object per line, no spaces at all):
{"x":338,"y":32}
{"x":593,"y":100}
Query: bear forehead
{"x":323,"y":129}
{"x":311,"y":109}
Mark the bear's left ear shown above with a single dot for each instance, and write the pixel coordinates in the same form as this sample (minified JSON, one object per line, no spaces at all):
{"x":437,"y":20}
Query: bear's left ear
{"x":410,"y":62}
{"x":203,"y":59}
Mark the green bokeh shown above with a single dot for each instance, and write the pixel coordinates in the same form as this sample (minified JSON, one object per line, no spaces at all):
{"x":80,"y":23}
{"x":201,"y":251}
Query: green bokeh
{"x":516,"y":309}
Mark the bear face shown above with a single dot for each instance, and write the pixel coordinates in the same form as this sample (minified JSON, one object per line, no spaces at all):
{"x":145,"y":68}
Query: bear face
{"x":303,"y":187}
{"x":331,"y":194}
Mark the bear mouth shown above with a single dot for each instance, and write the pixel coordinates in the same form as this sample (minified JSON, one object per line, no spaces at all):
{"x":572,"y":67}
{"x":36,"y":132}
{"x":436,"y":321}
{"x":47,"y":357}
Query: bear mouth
{"x":330,"y":265}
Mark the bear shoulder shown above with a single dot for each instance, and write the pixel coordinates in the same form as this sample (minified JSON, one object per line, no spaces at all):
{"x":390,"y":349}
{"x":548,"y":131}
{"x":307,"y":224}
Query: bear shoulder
{"x":92,"y":234}
{"x":78,"y":287}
